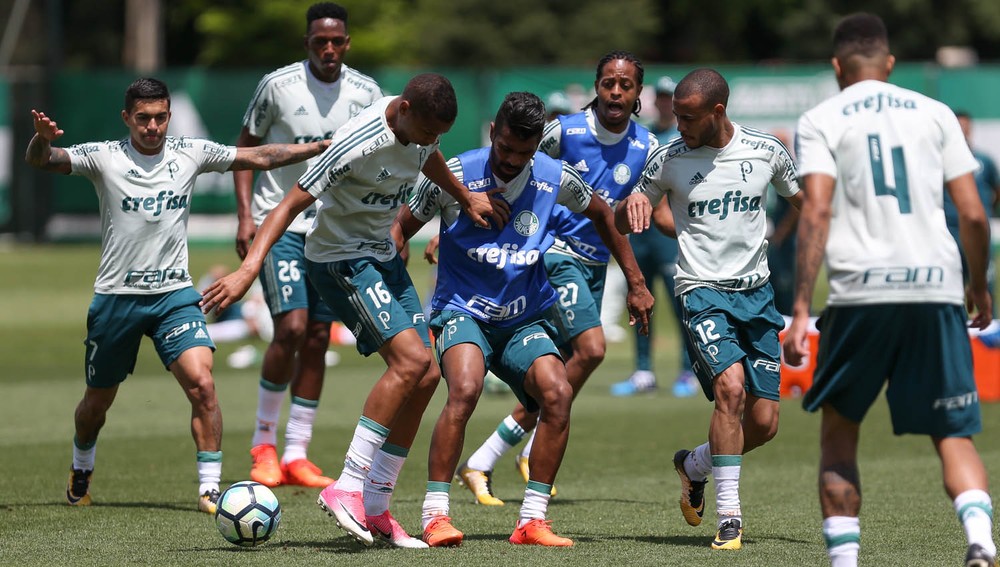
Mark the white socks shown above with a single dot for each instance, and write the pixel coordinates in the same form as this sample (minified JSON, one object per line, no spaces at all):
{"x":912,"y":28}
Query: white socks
{"x":843,"y":540}
{"x":975,"y":511}
{"x":382,"y":478}
{"x":369,"y":436}
{"x":507,"y":434}
{"x":298,"y":430}
{"x":269,"y":398}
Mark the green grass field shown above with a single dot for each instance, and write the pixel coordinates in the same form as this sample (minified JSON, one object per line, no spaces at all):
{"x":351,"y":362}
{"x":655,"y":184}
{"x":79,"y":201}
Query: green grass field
{"x":617,"y":488}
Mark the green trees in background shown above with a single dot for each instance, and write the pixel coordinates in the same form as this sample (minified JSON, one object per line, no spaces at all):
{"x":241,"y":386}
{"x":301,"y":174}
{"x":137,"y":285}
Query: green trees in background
{"x":491,"y":33}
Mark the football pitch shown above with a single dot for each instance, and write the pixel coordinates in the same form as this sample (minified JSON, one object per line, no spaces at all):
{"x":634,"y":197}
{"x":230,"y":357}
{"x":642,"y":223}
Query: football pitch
{"x":617,"y":487}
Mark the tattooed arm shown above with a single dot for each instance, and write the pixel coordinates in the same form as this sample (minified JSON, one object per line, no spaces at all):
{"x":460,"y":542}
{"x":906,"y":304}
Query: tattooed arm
{"x":270,"y":156}
{"x":40,"y":152}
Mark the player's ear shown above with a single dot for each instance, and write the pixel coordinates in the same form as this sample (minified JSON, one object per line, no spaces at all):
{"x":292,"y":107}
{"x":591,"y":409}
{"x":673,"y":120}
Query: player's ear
{"x":492,"y":131}
{"x":890,"y":63}
{"x":125,"y":117}
{"x":347,"y":43}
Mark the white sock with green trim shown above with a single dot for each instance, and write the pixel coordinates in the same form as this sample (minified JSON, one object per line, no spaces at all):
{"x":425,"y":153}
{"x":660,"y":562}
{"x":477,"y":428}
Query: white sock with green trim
{"x":436,"y":502}
{"x":369,"y":436}
{"x":507,"y":434}
{"x":269,"y":398}
{"x":382,"y":478}
{"x":83,"y":456}
{"x":299,"y":429}
{"x":843,"y":540}
{"x":726,"y":471}
{"x":209,"y":470}
{"x":975,"y":511}
{"x":536,"y":502}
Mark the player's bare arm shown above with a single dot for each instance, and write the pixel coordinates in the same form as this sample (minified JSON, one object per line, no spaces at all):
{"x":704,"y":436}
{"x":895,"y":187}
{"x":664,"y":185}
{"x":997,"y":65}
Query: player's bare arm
{"x":405,"y":226}
{"x":814,"y":228}
{"x":231,"y":288}
{"x":246,"y":228}
{"x":639,"y":300}
{"x":40,"y":153}
{"x":633,"y":213}
{"x":663,"y":219}
{"x":973,"y":230}
{"x":796,"y":200}
{"x":477,"y":205}
{"x":270,"y":156}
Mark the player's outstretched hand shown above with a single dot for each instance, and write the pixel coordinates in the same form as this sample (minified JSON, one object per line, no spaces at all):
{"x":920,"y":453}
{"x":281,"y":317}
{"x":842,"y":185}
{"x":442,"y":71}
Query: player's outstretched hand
{"x":639,"y":210}
{"x":45,"y":126}
{"x":796,"y":343}
{"x":226,"y":291}
{"x":245,"y":231}
{"x":640,"y":308}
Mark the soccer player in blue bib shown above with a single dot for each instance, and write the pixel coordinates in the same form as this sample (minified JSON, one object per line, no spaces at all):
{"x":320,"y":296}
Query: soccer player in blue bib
{"x":489,"y":310}
{"x":875,"y":161}
{"x":144,"y":184}
{"x":361,"y":181}
{"x":307,"y":100}
{"x":716,"y":177}
{"x":608,"y":150}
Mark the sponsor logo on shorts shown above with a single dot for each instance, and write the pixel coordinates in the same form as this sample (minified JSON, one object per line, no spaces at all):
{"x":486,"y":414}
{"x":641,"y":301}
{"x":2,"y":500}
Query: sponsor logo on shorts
{"x":956,"y":402}
{"x":768,"y":365}
{"x":534,"y":336}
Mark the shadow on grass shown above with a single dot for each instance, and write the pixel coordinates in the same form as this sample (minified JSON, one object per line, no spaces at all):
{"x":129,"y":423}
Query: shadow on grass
{"x":338,"y":545}
{"x":192,"y":507}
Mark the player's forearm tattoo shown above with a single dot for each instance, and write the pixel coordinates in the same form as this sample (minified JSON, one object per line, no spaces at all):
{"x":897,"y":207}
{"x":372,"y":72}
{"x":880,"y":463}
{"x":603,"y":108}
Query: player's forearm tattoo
{"x":42,"y":155}
{"x":270,"y":156}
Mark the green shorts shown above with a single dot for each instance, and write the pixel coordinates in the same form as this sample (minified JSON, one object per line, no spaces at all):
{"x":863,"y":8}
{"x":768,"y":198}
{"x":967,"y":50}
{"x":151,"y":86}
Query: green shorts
{"x":727,"y":326}
{"x":507,"y":352}
{"x":581,"y":290}
{"x":286,"y":286}
{"x":922,"y":349}
{"x":116,"y":324}
{"x":375,"y":300}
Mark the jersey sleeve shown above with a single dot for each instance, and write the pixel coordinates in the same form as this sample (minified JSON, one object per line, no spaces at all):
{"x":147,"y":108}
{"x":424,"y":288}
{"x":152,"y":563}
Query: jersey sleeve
{"x":428,"y":198}
{"x":574,"y":193}
{"x":212,"y":156}
{"x":649,"y":183}
{"x":550,"y":139}
{"x":654,"y":143}
{"x":261,"y":112}
{"x":785,"y":179}
{"x":85,"y":159}
{"x":813,"y":153}
{"x":957,"y":157}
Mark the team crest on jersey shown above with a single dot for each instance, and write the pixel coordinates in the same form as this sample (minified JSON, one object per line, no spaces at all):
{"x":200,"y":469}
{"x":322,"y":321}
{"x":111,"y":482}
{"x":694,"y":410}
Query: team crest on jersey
{"x":622,"y":174}
{"x":526,"y":223}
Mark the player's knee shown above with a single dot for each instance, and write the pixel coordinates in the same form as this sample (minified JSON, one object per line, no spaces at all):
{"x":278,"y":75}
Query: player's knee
{"x":413,"y":366}
{"x":316,"y":340}
{"x":590,"y":354}
{"x":557,"y":396}
{"x":290,"y":333}
{"x":729,"y":392}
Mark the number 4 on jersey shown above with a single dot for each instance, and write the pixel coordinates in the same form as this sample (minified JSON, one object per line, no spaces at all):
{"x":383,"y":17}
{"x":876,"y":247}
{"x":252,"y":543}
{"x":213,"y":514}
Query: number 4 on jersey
{"x":901,"y":191}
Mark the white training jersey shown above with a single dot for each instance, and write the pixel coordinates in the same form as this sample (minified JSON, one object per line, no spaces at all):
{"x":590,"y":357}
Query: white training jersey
{"x":890,"y":150}
{"x":361,"y":180}
{"x":290,"y":106}
{"x":145,"y":202}
{"x":573,"y":193}
{"x":718,"y":197}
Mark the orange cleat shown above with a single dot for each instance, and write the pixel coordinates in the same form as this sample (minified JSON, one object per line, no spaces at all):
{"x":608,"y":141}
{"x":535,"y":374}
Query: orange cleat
{"x":440,"y":533}
{"x":538,"y":532}
{"x":265,"y":469}
{"x":302,"y":472}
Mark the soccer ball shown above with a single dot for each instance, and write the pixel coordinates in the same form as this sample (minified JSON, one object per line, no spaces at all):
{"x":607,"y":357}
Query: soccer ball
{"x":248,"y":513}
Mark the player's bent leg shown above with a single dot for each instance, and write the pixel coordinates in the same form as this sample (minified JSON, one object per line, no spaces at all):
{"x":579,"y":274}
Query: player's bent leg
{"x":89,"y":418}
{"x":307,"y":384}
{"x":726,"y":428}
{"x":407,"y":361}
{"x":760,"y":421}
{"x":839,"y":479}
{"x":966,"y":482}
{"x":193,"y":371}
{"x":546,"y":383}
{"x":589,"y":348}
